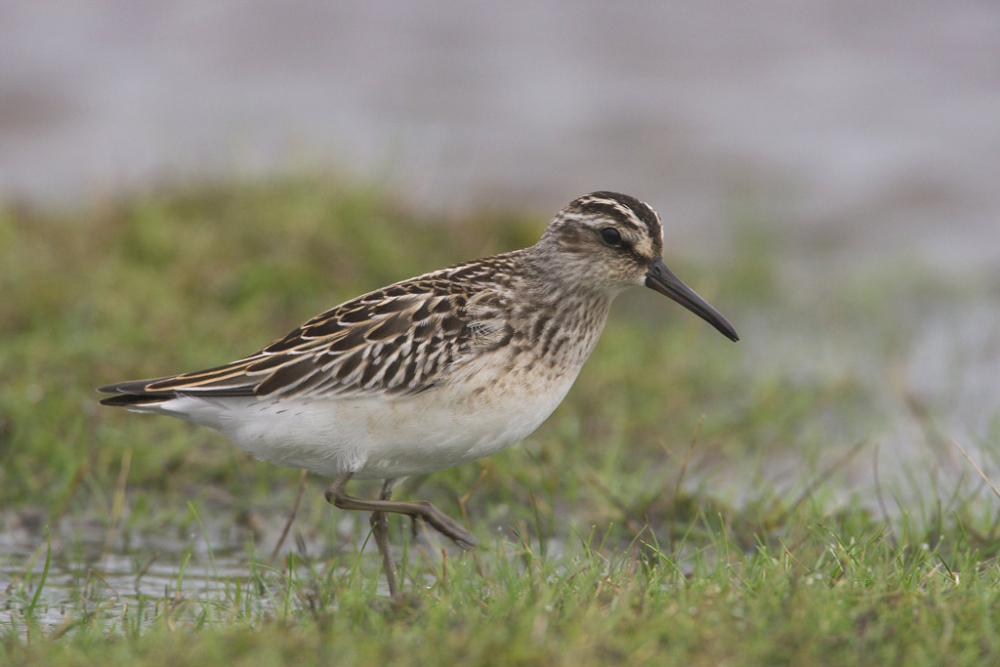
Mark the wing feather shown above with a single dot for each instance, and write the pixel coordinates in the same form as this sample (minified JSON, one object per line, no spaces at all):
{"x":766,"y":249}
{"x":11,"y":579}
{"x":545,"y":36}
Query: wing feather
{"x":399,"y":340}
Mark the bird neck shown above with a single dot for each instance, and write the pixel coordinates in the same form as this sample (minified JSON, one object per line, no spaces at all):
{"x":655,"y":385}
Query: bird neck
{"x":558,"y":279}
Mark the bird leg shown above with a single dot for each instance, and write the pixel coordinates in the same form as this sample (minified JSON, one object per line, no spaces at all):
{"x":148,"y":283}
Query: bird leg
{"x":380,"y":530}
{"x":440,"y":521}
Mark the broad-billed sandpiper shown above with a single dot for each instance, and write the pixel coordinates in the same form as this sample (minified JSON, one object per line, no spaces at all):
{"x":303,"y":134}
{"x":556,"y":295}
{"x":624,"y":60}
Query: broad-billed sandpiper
{"x":431,"y":372}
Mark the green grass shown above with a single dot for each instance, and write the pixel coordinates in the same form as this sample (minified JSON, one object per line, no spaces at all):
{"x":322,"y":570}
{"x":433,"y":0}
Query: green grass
{"x":645,"y":521}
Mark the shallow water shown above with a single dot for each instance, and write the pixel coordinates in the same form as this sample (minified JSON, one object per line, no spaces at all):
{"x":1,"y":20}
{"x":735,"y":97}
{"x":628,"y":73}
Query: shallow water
{"x":123,"y":582}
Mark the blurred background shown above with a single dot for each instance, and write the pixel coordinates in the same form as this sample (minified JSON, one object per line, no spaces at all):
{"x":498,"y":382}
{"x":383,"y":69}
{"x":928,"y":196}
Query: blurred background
{"x":860,"y":141}
{"x":869,"y":127}
{"x":182,"y":181}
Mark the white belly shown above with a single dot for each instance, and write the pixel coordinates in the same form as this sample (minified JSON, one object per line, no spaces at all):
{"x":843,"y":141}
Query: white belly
{"x":385,"y":437}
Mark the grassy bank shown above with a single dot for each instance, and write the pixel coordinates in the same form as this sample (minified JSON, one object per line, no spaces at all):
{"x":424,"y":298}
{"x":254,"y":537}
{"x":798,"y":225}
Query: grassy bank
{"x":648,"y":519}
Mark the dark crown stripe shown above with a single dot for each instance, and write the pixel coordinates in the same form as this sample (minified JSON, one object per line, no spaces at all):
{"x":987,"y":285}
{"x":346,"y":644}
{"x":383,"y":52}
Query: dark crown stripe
{"x":641,"y":211}
{"x":607,"y":208}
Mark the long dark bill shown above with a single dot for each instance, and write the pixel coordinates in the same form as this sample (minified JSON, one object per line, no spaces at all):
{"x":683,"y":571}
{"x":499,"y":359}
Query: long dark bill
{"x":663,"y":280}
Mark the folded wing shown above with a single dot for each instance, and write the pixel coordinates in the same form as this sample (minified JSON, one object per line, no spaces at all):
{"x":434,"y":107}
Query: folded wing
{"x":402,"y":339}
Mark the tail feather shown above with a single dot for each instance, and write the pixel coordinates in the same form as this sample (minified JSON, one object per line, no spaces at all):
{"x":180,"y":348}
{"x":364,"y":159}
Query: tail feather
{"x":138,"y":392}
{"x":126,"y":400}
{"x":133,"y":392}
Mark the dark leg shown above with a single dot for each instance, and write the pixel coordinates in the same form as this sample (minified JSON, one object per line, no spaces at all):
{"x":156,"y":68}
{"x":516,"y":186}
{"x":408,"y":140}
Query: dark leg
{"x":380,"y":530}
{"x":440,"y":521}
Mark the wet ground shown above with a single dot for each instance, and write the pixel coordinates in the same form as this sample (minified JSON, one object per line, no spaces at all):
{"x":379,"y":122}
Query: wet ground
{"x":864,"y":138}
{"x":103,"y":575}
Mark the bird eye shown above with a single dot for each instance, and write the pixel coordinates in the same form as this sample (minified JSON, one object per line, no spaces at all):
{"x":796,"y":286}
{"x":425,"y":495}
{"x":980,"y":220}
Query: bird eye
{"x":611,"y":236}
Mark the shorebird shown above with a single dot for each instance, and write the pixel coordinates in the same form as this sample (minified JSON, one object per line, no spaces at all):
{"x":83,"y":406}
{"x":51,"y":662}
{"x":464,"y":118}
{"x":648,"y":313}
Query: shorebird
{"x":431,"y":372}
